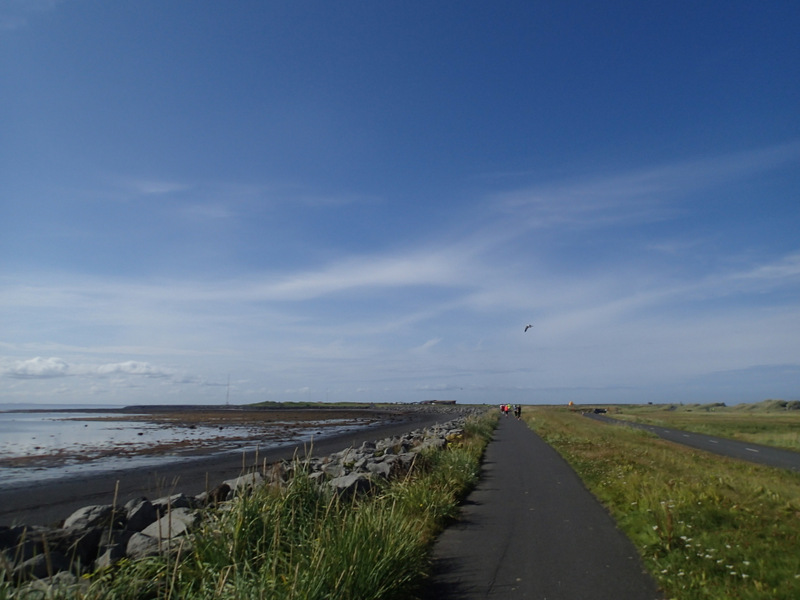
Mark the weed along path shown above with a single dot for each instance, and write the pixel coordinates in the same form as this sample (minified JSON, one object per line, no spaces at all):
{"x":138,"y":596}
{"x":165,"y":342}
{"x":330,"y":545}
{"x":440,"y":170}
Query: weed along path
{"x":530,"y":529}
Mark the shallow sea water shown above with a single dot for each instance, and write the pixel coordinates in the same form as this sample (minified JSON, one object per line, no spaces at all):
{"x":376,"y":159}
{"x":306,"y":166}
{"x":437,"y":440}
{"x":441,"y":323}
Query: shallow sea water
{"x":38,"y":446}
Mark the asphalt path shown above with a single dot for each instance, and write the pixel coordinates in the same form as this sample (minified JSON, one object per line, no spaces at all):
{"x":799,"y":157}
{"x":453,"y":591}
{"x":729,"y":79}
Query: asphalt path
{"x":530,"y":529}
{"x":765,"y":455}
{"x":49,"y":502}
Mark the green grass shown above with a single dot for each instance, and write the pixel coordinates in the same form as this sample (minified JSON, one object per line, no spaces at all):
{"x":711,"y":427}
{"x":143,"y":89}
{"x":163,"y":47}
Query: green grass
{"x":771,"y":423}
{"x":303,"y":542}
{"x":707,"y":527}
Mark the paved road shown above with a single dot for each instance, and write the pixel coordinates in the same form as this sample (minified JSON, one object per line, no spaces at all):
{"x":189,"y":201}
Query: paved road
{"x":765,"y":455}
{"x":531,"y":529}
{"x":47,"y":502}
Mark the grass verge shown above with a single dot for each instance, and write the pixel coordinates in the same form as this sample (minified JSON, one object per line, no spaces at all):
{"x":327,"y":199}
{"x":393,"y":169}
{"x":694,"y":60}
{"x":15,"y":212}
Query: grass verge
{"x":304,"y":542}
{"x":771,"y":423}
{"x":707,"y":527}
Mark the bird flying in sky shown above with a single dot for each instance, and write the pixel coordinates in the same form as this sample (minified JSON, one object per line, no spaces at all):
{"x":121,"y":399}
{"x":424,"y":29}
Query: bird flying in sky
{"x":528,"y":326}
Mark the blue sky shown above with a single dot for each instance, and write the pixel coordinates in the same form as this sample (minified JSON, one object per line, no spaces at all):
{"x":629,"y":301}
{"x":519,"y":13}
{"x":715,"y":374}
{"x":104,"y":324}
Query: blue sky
{"x":369,"y":201}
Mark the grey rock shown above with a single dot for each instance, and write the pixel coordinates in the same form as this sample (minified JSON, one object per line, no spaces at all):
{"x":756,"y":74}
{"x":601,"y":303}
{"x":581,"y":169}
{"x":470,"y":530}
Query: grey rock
{"x":348,"y":485}
{"x":406,"y":460}
{"x":99,"y":515}
{"x":381,"y":469}
{"x":215,"y":496}
{"x":334,"y":470}
{"x":112,"y":554}
{"x":163,"y":505}
{"x":438,"y":443}
{"x":141,"y":546}
{"x":140,"y":514}
{"x":244,"y":483}
{"x":176,"y":522}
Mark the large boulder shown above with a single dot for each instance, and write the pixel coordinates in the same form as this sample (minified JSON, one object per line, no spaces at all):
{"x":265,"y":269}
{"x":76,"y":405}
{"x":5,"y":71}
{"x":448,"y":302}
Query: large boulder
{"x":244,"y":483}
{"x":436,"y":443}
{"x":140,"y":513}
{"x":112,"y":553}
{"x":176,"y":522}
{"x":99,"y":515}
{"x":167,"y":503}
{"x":165,"y":535}
{"x":142,"y":546}
{"x":381,"y":469}
{"x":217,"y":495}
{"x":353,"y":483}
{"x":112,"y":547}
{"x":334,"y":470}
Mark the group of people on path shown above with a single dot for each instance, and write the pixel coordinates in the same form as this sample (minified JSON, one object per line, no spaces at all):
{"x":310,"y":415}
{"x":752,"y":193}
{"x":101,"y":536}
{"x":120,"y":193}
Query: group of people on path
{"x":507,"y":408}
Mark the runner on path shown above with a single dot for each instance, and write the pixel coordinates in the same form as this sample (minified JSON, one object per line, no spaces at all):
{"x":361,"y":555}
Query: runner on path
{"x":530,"y":529}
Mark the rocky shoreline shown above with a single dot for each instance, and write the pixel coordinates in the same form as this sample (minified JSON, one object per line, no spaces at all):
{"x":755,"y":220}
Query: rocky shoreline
{"x":96,"y":536}
{"x":180,"y":430}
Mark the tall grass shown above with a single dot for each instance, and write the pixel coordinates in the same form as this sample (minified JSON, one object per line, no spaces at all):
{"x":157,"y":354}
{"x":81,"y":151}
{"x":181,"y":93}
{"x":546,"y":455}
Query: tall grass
{"x":707,"y":527}
{"x":304,"y":542}
{"x":299,"y":543}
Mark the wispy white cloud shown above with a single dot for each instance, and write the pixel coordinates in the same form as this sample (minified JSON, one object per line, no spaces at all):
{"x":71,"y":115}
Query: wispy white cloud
{"x":427,"y":345}
{"x":642,"y":195}
{"x":152,"y":187}
{"x":416,"y":268}
{"x":37,"y":368}
{"x":423,"y":316}
{"x":45,"y":368}
{"x":783,"y":271}
{"x":132,"y":367}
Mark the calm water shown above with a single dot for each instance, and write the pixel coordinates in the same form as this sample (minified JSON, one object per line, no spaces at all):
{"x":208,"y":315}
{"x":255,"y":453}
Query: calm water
{"x":36,"y":446}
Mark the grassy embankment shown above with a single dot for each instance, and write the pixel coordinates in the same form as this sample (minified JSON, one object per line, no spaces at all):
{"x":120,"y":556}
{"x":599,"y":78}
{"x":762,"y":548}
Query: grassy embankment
{"x":303,"y":542}
{"x":707,"y":527}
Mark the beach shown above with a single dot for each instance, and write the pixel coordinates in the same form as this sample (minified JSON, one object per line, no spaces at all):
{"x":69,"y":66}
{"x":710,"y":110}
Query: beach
{"x":160,"y":469}
{"x":39,"y":445}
